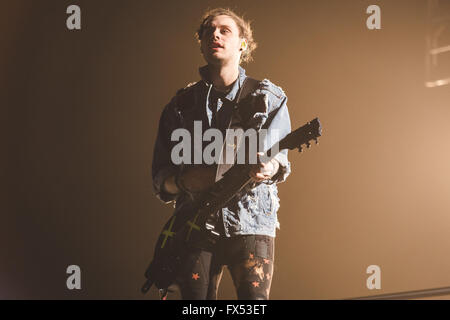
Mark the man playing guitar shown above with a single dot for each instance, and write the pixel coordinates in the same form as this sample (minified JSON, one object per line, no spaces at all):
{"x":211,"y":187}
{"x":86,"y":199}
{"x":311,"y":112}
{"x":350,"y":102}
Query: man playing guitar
{"x":248,"y":222}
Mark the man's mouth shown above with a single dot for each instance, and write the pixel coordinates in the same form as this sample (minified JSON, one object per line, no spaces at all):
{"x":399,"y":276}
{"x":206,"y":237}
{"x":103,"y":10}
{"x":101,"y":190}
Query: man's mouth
{"x":216,"y":46}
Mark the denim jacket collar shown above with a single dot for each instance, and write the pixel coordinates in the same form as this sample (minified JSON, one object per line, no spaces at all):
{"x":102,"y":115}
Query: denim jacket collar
{"x":236,"y":86}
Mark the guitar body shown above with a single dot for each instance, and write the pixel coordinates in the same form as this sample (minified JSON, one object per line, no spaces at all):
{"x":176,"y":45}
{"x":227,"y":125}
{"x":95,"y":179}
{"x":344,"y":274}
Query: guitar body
{"x":182,"y":232}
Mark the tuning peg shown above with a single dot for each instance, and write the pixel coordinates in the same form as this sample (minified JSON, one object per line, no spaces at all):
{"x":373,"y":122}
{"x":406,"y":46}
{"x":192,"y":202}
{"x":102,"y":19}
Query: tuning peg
{"x":300,"y":149}
{"x":308,"y":145}
{"x":316,"y":140}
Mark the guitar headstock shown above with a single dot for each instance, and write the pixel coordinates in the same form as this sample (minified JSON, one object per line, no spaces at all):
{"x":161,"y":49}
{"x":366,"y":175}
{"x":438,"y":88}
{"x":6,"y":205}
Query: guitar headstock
{"x":303,"y":135}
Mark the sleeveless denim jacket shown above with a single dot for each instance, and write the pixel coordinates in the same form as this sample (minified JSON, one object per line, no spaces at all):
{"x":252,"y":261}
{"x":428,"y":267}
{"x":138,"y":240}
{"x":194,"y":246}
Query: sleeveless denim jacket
{"x":254,"y":210}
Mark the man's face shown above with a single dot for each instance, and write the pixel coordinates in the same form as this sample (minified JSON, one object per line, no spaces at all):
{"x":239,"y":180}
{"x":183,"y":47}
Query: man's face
{"x":221,"y":42}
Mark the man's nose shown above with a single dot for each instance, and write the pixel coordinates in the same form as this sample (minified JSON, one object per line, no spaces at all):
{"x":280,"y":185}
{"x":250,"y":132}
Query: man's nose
{"x":216,"y":33}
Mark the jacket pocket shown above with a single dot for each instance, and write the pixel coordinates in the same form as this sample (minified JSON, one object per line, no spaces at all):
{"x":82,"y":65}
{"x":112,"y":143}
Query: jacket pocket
{"x":268,"y":201}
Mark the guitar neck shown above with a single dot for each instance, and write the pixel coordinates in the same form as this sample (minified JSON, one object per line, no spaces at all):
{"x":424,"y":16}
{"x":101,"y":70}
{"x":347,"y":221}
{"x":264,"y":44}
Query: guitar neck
{"x":237,"y":177}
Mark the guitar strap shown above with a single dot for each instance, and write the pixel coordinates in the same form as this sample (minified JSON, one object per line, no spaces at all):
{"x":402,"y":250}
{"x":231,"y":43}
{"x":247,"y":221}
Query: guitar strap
{"x":249,"y":85}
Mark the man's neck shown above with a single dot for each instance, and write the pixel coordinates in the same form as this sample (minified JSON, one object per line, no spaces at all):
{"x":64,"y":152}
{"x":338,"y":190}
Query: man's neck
{"x":223,"y":76}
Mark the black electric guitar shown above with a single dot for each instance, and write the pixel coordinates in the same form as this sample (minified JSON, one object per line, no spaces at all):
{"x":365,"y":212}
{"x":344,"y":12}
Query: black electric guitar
{"x":193,"y":223}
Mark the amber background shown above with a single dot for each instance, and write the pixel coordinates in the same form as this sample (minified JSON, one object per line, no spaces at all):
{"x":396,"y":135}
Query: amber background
{"x":79,"y":116}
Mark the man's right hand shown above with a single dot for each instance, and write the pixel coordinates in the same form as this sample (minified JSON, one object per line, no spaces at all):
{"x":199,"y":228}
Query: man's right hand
{"x":194,"y":179}
{"x":170,"y":186}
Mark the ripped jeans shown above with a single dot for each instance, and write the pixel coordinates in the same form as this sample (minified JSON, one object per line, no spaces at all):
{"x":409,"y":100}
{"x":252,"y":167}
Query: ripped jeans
{"x":250,"y":259}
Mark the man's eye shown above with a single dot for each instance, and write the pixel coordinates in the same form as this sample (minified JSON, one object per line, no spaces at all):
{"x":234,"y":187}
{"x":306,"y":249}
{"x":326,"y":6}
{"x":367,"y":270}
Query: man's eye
{"x":225,"y":31}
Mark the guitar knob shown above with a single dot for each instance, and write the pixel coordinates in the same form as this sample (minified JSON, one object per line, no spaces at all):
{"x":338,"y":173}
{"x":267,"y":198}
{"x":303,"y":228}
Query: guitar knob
{"x":300,"y":149}
{"x":308,"y":145}
{"x":316,"y":140}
